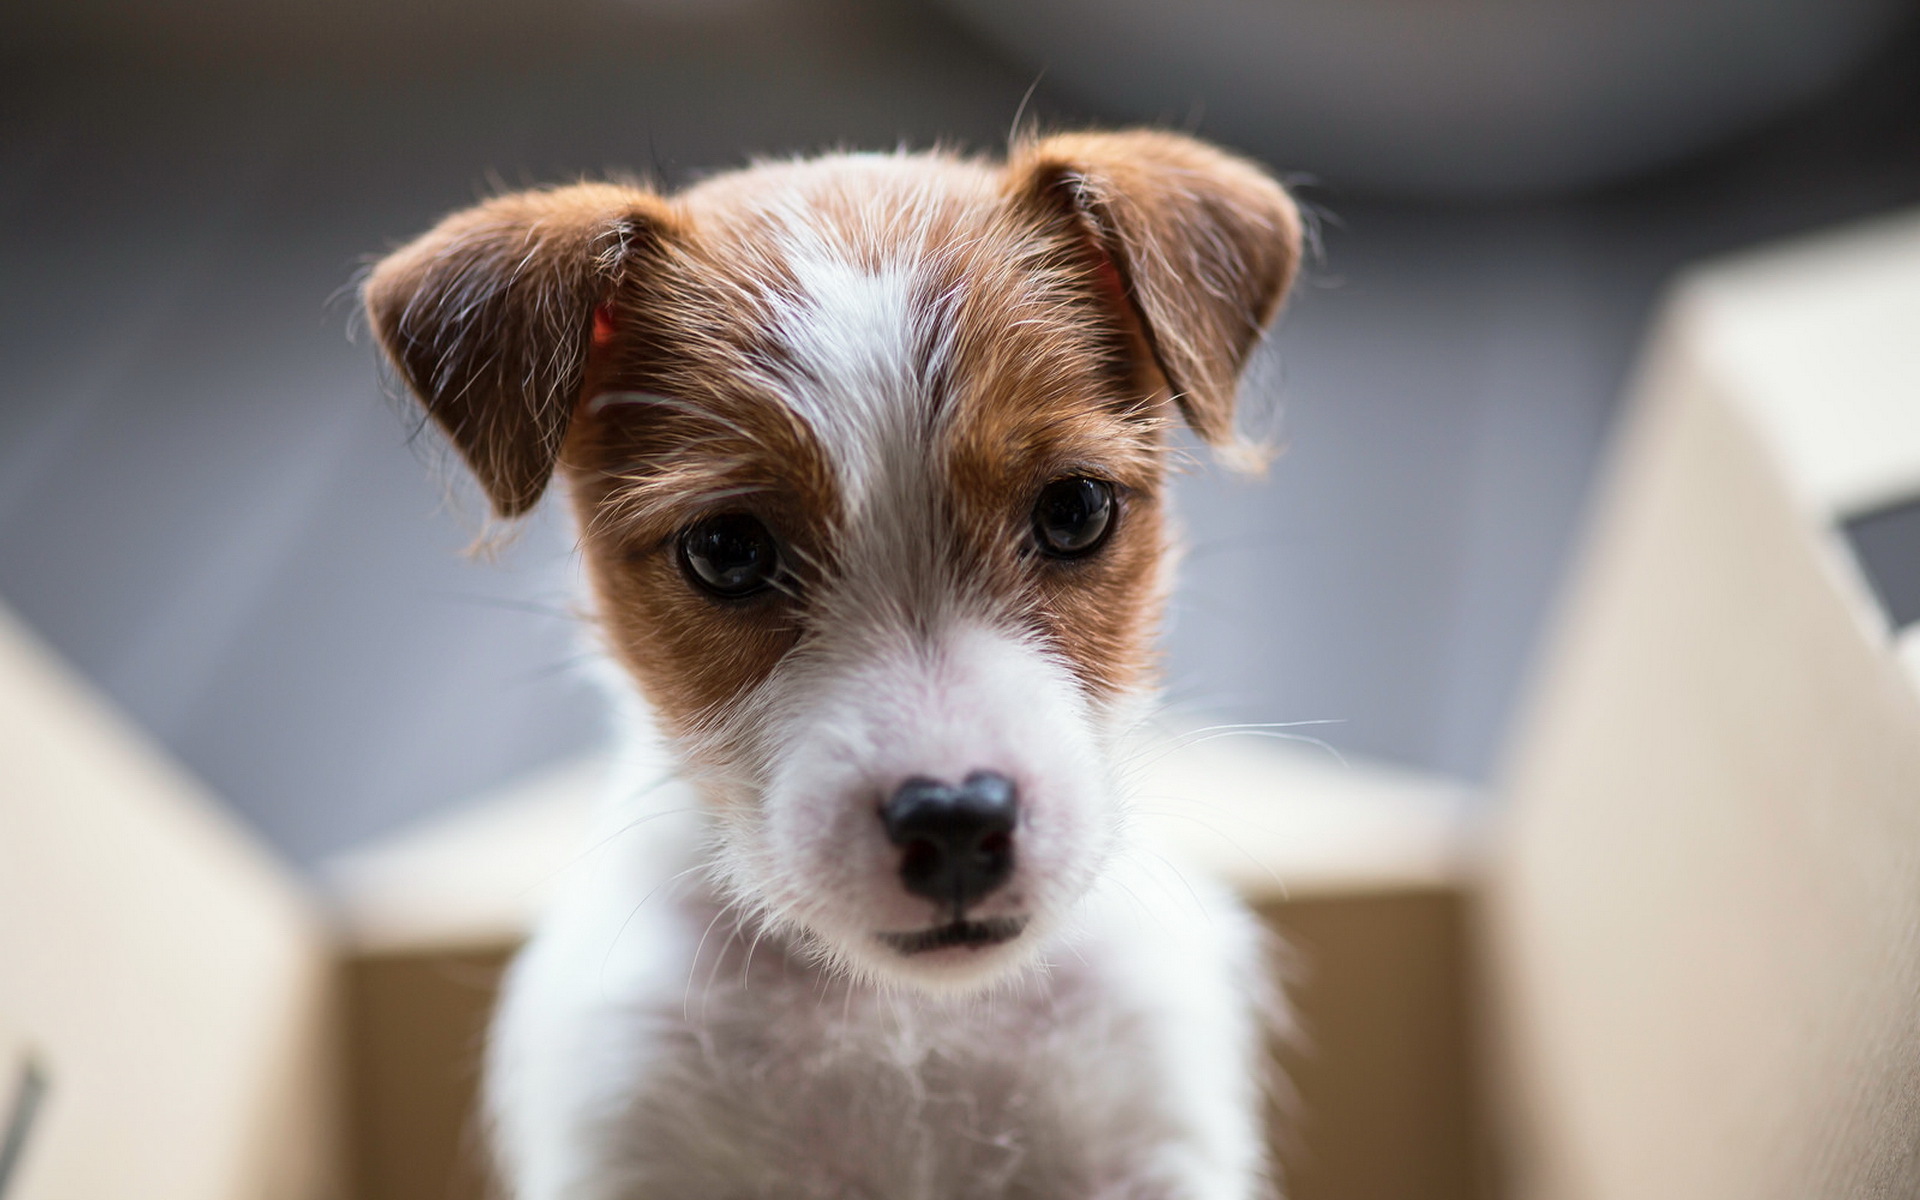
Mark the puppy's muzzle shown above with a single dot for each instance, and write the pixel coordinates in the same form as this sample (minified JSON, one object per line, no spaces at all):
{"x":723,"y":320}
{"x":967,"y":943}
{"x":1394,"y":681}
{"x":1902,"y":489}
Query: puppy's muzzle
{"x":956,"y":842}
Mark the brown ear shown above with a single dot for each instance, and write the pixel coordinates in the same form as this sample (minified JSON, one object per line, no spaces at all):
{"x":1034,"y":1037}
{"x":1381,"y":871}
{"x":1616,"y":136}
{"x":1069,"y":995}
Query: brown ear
{"x":1204,"y":243}
{"x":489,"y":317}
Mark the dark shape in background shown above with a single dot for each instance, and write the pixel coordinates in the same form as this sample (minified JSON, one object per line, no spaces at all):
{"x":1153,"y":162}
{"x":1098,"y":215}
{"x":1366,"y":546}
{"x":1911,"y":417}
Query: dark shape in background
{"x":206,"y":502}
{"x":1886,"y":542}
{"x":1468,"y":99}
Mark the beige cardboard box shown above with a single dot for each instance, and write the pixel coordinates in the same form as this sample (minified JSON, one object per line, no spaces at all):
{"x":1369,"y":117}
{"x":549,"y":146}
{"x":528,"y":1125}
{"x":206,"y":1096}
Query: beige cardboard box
{"x":166,"y":991}
{"x":1705,"y":905}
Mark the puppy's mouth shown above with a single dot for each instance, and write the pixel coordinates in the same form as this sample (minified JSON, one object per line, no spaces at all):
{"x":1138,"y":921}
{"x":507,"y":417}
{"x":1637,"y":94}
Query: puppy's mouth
{"x":969,"y":935}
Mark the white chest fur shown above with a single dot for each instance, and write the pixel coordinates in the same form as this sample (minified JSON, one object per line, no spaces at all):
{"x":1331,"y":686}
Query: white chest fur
{"x":650,"y":1046}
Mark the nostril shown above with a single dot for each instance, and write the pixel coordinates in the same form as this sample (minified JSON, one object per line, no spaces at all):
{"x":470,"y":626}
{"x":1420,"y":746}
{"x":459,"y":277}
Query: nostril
{"x":956,"y":841}
{"x":921,"y":860}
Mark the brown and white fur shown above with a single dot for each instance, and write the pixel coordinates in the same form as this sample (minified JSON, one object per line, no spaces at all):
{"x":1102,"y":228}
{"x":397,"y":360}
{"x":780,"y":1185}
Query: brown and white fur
{"x":883,"y":359}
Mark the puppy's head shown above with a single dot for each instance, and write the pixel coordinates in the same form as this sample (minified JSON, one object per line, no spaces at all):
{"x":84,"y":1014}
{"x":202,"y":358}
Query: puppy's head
{"x":868,"y":455}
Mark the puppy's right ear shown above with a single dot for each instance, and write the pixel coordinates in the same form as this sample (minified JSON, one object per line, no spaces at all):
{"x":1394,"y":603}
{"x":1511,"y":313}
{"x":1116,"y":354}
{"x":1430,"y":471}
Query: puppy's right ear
{"x":489,"y":317}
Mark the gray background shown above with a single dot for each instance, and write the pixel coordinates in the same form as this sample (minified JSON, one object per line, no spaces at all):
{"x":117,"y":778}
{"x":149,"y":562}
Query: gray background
{"x":210,"y":506}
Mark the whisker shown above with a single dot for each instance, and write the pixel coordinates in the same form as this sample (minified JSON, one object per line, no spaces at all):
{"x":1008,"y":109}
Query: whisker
{"x":622,"y":931}
{"x":1146,"y":910}
{"x":747,"y":967}
{"x":510,"y":604}
{"x":693,"y":964}
{"x":1137,"y":761}
{"x":719,"y":960}
{"x":606,"y":839}
{"x":1220,"y":833}
{"x":1317,"y":743}
{"x":572,"y":662}
{"x":1184,"y":881}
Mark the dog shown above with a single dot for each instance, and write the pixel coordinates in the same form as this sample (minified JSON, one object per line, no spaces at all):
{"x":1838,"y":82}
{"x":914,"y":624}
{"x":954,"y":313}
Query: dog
{"x":867,"y":454}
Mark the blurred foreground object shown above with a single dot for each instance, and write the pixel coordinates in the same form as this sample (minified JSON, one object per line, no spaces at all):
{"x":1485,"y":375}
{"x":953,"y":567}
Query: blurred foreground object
{"x":1462,"y":98}
{"x":1705,"y":909}
{"x":165,"y":989}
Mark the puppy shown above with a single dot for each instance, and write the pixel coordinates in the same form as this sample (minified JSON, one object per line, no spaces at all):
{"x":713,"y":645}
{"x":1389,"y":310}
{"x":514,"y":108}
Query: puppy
{"x":867,"y":454}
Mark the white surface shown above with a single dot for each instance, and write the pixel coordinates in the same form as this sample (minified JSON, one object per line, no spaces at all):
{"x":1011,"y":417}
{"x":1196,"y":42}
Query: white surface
{"x":1820,"y":342}
{"x":476,"y":875}
{"x":1281,"y":821}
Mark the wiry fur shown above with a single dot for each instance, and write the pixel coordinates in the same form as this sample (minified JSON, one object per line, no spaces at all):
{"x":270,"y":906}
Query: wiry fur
{"x":884,"y":359}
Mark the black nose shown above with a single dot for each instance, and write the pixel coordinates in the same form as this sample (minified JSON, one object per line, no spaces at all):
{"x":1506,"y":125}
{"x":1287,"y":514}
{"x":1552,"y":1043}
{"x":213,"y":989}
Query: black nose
{"x":957,"y":842}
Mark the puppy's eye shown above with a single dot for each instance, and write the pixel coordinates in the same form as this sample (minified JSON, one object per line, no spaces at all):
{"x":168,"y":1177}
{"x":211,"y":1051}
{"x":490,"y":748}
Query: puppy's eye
{"x":732,"y":555}
{"x":1074,"y":516}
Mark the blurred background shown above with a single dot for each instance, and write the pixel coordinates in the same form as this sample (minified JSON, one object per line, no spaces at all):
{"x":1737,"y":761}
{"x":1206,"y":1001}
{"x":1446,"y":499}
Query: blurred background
{"x":208,"y":502}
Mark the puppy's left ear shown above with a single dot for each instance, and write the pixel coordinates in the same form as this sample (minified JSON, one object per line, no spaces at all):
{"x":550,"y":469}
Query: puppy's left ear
{"x":1204,"y":246}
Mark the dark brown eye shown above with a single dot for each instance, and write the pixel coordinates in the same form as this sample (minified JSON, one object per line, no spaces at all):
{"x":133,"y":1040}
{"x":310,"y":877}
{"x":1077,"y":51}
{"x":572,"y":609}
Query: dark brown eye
{"x":1073,"y":517}
{"x":731,"y":556}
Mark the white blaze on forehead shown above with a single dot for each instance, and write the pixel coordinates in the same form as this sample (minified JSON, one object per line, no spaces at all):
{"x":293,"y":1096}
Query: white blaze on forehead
{"x":864,"y":346}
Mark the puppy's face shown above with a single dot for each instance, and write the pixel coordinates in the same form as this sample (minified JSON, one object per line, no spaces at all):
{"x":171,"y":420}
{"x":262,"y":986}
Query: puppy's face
{"x":868,"y":456}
